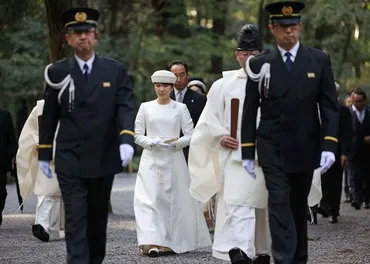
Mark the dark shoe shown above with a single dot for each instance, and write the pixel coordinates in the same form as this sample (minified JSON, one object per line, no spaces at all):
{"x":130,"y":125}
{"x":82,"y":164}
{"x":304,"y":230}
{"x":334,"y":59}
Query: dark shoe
{"x":237,"y":256}
{"x":367,"y":206}
{"x":357,"y":206}
{"x":323,"y":212}
{"x":333,"y":219}
{"x":39,"y":232}
{"x":262,"y":259}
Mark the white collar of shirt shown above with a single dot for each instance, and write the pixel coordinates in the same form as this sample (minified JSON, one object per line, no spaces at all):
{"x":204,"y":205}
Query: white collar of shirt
{"x":183,"y":92}
{"x":89,"y":63}
{"x":293,"y":51}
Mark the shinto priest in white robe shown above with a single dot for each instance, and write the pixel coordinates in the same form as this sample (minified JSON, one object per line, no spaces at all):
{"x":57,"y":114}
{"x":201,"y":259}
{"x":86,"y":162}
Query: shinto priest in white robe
{"x":33,"y":181}
{"x":242,"y":219}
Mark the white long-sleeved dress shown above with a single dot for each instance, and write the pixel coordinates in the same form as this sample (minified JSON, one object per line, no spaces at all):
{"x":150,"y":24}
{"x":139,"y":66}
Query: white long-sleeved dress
{"x":166,"y":215}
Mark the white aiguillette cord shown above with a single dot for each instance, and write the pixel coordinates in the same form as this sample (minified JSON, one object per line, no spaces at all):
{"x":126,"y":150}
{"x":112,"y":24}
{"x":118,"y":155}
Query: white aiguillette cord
{"x":258,"y":77}
{"x":62,"y":86}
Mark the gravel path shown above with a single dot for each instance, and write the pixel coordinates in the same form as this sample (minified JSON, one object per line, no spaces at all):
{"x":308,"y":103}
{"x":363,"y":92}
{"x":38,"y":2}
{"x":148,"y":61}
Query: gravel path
{"x":347,"y":242}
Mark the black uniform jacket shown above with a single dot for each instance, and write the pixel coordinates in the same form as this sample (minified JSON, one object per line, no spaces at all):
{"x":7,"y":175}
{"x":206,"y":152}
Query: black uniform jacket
{"x":103,"y":118}
{"x":8,"y":143}
{"x":289,"y":132}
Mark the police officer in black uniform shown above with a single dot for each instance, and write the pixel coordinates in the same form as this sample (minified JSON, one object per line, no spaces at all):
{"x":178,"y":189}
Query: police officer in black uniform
{"x":92,"y":99}
{"x":289,"y":134}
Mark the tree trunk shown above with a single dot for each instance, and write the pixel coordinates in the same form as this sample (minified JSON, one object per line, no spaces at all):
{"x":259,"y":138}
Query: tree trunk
{"x":357,"y":67}
{"x":21,"y":113}
{"x":113,"y":10}
{"x":160,"y":8}
{"x":177,"y":19}
{"x":129,"y":17}
{"x":218,"y":30}
{"x":263,"y":22}
{"x":345,"y":52}
{"x":199,"y":9}
{"x":54,"y":11}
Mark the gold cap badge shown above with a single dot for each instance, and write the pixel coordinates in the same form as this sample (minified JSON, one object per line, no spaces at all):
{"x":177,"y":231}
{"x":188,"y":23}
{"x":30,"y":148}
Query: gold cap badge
{"x":287,"y":10}
{"x":80,"y":16}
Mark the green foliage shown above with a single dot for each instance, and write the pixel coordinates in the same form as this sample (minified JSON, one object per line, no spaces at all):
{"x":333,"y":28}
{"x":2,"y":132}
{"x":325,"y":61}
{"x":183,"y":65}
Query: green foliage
{"x":23,"y":59}
{"x":339,"y":27}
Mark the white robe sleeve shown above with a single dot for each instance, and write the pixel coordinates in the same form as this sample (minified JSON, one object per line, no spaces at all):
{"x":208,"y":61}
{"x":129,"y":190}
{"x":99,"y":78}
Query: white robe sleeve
{"x":140,"y":128}
{"x":205,"y":167}
{"x":27,"y":158}
{"x":187,"y":127}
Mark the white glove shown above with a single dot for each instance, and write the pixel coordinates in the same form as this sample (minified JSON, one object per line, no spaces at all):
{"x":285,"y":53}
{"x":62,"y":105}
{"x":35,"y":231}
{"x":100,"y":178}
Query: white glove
{"x":45,"y":168}
{"x":327,"y":160}
{"x":154,"y":142}
{"x":248,"y":165}
{"x":165,"y":145}
{"x":127,"y":152}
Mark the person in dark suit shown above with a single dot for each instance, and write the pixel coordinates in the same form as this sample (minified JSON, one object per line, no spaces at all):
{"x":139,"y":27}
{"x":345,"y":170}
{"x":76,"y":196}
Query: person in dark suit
{"x":181,"y":93}
{"x":347,"y":101}
{"x":95,"y":136}
{"x":358,"y":160}
{"x":332,"y":180}
{"x":8,"y":150}
{"x":298,"y":83}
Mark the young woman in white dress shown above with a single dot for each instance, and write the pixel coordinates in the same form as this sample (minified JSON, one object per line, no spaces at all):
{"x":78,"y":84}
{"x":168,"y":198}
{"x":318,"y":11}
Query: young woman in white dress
{"x":168,"y":219}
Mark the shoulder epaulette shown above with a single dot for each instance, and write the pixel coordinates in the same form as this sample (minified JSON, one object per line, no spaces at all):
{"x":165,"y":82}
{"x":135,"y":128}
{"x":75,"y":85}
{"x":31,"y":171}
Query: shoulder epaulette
{"x":60,"y":61}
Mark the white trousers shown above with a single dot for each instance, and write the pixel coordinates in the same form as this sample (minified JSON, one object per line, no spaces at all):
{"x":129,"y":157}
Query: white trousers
{"x":48,"y":212}
{"x":243,"y":227}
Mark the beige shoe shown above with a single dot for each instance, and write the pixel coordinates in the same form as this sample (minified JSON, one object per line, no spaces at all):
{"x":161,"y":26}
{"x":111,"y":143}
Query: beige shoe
{"x":153,"y":252}
{"x":165,"y":251}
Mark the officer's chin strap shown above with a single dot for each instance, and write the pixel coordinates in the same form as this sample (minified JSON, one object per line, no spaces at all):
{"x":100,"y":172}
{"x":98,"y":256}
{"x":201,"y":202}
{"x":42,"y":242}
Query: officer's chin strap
{"x":263,"y":74}
{"x":62,"y":86}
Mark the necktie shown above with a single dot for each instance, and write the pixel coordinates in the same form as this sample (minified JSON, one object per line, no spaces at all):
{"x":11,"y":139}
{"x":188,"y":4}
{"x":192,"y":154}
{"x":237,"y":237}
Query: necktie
{"x":288,"y":62}
{"x":86,"y":71}
{"x":179,"y":98}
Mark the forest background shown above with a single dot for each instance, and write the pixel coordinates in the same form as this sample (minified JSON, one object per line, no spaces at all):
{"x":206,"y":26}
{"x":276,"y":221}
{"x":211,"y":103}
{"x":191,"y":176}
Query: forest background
{"x":146,"y":34}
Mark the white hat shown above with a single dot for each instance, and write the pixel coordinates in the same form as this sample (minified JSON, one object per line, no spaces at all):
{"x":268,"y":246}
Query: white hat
{"x":196,"y":82}
{"x":163,"y":76}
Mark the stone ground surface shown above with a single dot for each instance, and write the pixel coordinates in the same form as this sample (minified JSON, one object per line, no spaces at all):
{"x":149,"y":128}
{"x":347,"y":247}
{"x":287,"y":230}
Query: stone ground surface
{"x":345,"y":242}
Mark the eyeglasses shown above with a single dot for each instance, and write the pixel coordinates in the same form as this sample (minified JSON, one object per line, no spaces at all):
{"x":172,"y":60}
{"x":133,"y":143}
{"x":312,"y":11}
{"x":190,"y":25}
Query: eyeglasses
{"x":81,"y":31}
{"x":247,"y":54}
{"x":285,"y":27}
